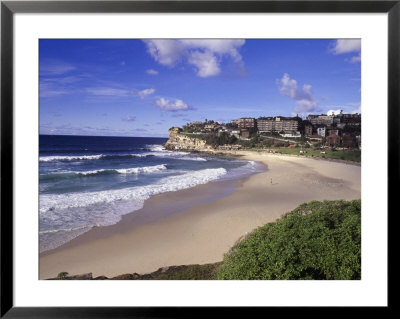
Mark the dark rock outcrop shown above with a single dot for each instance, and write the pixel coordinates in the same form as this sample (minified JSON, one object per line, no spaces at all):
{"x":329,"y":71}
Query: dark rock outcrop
{"x":179,"y":141}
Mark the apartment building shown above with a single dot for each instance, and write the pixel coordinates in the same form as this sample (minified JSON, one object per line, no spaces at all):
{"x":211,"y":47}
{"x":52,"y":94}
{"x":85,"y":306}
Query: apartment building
{"x":245,"y":122}
{"x":351,"y":119}
{"x":321,"y":119}
{"x":308,"y":130}
{"x":277,"y":124}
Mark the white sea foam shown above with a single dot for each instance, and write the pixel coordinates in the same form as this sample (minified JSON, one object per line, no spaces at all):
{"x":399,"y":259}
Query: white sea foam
{"x":251,"y":163}
{"x":165,"y":153}
{"x":52,"y":239}
{"x":146,"y":169}
{"x":186,"y":156}
{"x":53,"y":231}
{"x":198,"y":159}
{"x":65,"y":216}
{"x":69,"y":158}
{"x":51,"y":203}
{"x":134,"y":170}
{"x":94,"y":172}
{"x":157,"y":152}
{"x":250,"y":167}
{"x":155,"y":147}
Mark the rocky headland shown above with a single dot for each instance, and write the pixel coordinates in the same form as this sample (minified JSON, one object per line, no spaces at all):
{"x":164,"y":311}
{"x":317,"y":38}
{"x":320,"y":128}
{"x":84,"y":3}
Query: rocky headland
{"x":178,"y":141}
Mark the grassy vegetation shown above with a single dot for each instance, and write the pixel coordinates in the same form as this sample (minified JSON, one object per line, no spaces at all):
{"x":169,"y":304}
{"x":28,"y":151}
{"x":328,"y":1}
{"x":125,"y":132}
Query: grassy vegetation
{"x":62,"y":275}
{"x":318,"y":240}
{"x":199,"y":136}
{"x":347,"y":155}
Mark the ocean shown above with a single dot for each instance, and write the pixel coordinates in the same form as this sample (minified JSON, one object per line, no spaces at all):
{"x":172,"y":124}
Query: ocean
{"x":87,"y":181}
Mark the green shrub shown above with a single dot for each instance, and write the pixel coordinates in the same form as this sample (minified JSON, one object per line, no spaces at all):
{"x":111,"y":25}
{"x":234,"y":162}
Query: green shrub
{"x":318,"y":240}
{"x":222,"y":139}
{"x":62,"y":275}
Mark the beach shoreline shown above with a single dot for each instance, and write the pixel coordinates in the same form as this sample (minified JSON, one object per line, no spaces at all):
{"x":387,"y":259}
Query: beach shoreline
{"x":200,"y":224}
{"x":157,"y":208}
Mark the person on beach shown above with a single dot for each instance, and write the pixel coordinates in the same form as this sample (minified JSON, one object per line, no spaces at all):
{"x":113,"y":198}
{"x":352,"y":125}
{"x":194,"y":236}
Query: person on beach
{"x":271,"y":181}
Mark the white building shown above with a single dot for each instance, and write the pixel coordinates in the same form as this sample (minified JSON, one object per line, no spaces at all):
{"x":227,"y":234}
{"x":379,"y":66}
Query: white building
{"x":321,"y":131}
{"x":292,"y":134}
{"x":235,"y":133}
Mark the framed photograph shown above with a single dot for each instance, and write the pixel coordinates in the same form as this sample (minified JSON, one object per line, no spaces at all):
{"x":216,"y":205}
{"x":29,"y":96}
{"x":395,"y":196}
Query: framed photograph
{"x":158,"y":156}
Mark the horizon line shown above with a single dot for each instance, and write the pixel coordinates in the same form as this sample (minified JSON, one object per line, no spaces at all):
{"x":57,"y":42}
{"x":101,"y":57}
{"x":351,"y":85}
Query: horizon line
{"x":99,"y":135}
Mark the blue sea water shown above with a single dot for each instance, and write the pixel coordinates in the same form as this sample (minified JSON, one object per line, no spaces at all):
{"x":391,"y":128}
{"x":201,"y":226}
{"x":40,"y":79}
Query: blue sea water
{"x":87,"y":181}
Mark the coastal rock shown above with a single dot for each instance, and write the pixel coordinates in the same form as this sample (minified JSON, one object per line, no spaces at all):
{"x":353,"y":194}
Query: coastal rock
{"x":169,"y":269}
{"x":100,"y":278}
{"x":181,"y":272}
{"x":179,"y":141}
{"x":64,"y":276}
{"x":87,"y":276}
{"x":133,"y":276}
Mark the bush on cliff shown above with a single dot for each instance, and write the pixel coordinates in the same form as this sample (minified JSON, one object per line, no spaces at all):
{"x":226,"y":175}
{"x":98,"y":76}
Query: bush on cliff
{"x":221,"y":139}
{"x":318,"y":240}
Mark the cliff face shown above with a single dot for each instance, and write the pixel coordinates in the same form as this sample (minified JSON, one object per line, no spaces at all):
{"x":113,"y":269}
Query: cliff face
{"x":178,"y":141}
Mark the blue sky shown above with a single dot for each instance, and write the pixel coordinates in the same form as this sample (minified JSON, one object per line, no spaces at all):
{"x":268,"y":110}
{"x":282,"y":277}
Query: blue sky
{"x":144,"y":87}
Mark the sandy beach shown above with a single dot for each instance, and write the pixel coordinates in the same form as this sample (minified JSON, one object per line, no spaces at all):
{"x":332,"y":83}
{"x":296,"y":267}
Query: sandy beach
{"x":199,"y":225}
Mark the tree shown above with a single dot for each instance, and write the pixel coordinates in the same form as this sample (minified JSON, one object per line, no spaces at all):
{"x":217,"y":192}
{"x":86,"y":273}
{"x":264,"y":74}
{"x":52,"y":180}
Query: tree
{"x":352,"y":129}
{"x":222,"y":139}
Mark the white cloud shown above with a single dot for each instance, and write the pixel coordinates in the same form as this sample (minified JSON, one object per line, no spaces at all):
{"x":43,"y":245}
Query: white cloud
{"x":108,"y":91}
{"x":217,"y":46}
{"x":356,"y":58}
{"x":205,"y":62}
{"x":288,"y":86}
{"x":167,"y":105}
{"x":143,"y":93}
{"x":333,"y":112}
{"x":52,"y":67}
{"x":152,"y":72}
{"x":304,"y":98}
{"x":165,"y":52}
{"x":349,"y":107}
{"x":345,"y":46}
{"x":105,"y":91}
{"x":342,"y":46}
{"x":205,"y":55}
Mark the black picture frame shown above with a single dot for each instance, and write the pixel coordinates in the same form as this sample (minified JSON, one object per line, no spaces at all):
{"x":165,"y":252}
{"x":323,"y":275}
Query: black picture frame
{"x":9,"y":8}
